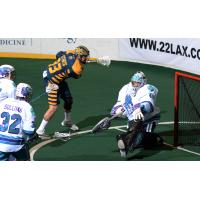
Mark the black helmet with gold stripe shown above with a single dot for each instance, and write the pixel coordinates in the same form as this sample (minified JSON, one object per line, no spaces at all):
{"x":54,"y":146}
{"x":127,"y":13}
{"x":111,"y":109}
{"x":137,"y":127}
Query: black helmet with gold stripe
{"x":83,"y":53}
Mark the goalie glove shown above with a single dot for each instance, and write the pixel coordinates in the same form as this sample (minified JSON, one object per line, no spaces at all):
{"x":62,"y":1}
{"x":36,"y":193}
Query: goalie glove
{"x":137,"y":115}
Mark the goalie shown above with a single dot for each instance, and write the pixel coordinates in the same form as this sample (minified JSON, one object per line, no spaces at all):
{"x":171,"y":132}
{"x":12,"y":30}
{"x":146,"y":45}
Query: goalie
{"x":136,"y":101}
{"x":68,"y":64}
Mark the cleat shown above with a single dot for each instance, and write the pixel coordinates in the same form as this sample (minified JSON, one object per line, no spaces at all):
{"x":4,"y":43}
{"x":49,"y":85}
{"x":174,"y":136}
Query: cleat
{"x":40,"y":131}
{"x":44,"y":137}
{"x":66,"y":123}
{"x":62,"y":136}
{"x":74,"y":127}
{"x":69,"y":124}
{"x":41,"y":134}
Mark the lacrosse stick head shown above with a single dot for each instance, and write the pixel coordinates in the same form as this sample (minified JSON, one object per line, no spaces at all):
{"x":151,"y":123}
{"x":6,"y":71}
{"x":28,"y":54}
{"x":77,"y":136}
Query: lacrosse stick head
{"x":105,"y":61}
{"x":102,"y":125}
{"x":62,"y":136}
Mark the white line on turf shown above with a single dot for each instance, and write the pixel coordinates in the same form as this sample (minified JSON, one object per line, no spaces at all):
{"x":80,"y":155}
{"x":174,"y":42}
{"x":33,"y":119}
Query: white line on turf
{"x":186,"y":150}
{"x":182,"y":149}
{"x":40,"y":145}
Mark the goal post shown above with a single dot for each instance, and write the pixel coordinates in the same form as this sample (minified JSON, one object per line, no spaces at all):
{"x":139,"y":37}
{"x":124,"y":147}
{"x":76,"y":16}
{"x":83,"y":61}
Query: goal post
{"x":186,"y":109}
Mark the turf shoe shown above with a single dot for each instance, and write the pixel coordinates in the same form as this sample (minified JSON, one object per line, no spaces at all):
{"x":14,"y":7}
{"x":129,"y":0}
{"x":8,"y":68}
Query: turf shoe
{"x":69,"y":124}
{"x":41,"y":134}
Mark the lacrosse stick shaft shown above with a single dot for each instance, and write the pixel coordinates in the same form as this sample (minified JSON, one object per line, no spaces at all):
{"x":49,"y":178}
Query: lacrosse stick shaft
{"x":92,"y":60}
{"x":116,"y":115}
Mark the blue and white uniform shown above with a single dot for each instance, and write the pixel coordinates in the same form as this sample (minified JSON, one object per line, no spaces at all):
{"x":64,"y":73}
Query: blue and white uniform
{"x":7,"y":85}
{"x":7,"y":89}
{"x":139,"y":104}
{"x":143,"y":97}
{"x":17,"y":122}
{"x":118,"y":107}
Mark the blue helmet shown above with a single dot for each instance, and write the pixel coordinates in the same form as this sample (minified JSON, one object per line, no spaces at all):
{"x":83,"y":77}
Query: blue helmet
{"x":5,"y":70}
{"x":139,"y":77}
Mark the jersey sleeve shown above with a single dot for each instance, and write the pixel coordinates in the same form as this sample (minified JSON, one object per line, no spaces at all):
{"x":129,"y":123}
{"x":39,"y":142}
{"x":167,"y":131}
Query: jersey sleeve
{"x":76,"y":69}
{"x":11,"y":89}
{"x":60,"y":53}
{"x":122,"y":94}
{"x":147,"y":99}
{"x":148,"y":94}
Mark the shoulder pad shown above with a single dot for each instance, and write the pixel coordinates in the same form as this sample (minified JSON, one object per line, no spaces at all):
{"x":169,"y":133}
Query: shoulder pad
{"x":151,"y":88}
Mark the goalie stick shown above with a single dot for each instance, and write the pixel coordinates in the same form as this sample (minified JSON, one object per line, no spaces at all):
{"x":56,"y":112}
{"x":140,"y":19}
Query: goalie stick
{"x":105,"y":123}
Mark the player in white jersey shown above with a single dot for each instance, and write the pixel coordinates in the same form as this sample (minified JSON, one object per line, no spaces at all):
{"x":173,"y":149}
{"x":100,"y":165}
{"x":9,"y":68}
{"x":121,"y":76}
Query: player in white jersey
{"x":137,"y":102}
{"x":17,"y":124}
{"x":7,"y":85}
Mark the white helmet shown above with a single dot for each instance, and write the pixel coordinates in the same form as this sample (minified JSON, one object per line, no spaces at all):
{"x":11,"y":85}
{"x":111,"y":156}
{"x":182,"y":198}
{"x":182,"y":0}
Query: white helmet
{"x":24,"y":91}
{"x":6,"y":70}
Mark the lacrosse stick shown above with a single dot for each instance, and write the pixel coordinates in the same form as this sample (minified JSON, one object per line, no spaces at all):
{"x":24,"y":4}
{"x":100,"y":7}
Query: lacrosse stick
{"x":105,"y":60}
{"x":105,"y":123}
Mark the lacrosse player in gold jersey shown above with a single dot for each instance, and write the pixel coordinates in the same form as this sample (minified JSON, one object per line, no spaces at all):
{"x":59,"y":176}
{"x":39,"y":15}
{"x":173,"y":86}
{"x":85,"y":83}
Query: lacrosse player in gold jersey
{"x":68,"y":64}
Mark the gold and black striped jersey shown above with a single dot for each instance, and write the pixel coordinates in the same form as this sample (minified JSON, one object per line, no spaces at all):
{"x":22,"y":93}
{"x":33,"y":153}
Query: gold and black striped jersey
{"x":66,"y":65}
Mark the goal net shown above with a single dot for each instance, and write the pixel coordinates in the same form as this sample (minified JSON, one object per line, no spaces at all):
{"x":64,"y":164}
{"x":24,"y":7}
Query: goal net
{"x":187,"y":109}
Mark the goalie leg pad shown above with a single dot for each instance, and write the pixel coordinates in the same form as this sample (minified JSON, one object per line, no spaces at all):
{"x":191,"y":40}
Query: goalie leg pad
{"x":137,"y":140}
{"x":152,"y":139}
{"x":122,"y":145}
{"x":134,"y":135}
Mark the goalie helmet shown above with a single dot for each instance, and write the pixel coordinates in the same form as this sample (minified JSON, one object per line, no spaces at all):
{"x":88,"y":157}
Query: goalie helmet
{"x":7,"y":71}
{"x":138,"y":80}
{"x":23,"y":91}
{"x":83,"y":53}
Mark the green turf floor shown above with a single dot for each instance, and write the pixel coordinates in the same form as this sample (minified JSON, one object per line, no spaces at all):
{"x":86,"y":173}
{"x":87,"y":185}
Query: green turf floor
{"x":94,"y":95}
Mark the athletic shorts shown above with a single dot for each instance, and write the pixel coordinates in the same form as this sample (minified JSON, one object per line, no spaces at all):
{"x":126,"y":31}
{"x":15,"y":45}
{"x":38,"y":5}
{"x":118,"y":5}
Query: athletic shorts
{"x":63,"y":92}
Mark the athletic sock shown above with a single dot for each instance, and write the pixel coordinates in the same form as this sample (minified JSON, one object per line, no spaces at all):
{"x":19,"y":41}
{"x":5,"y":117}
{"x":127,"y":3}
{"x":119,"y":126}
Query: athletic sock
{"x":67,"y":116}
{"x":43,"y":124}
